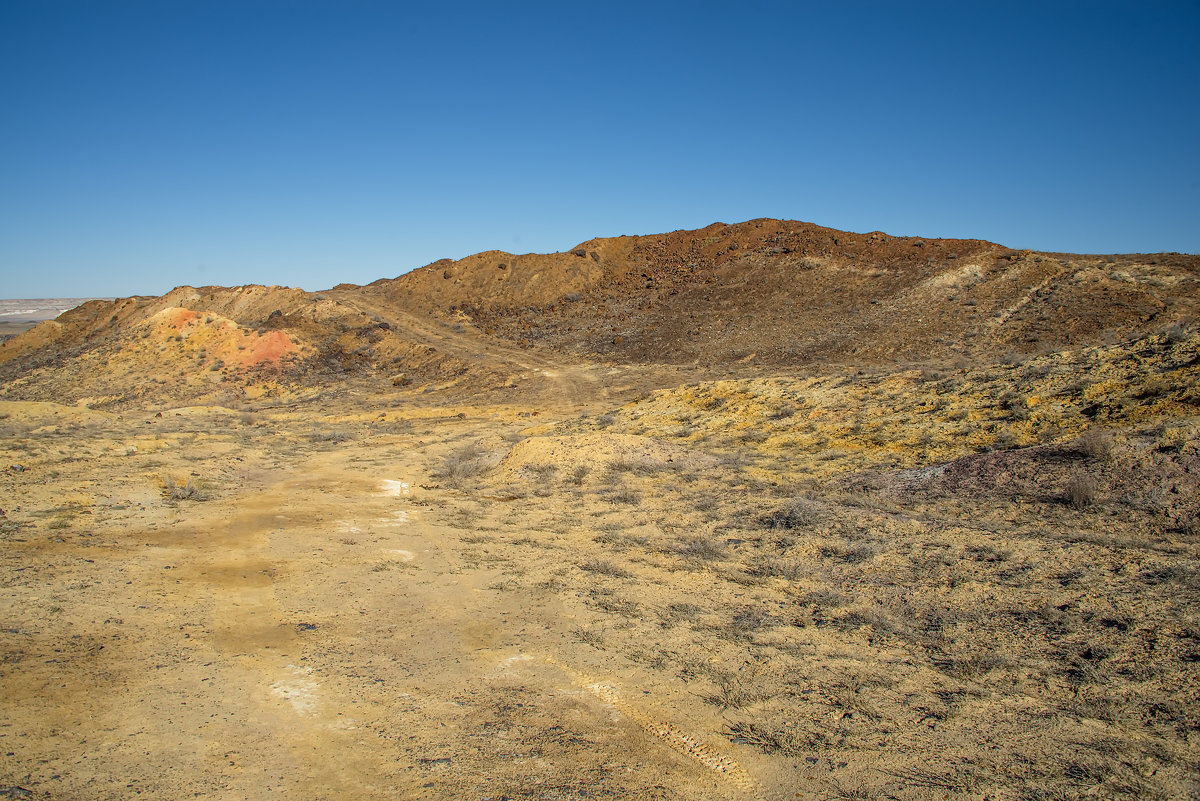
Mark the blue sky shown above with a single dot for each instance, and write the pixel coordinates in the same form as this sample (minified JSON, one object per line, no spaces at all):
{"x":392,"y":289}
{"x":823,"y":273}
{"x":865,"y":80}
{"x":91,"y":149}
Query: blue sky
{"x":145,"y":145}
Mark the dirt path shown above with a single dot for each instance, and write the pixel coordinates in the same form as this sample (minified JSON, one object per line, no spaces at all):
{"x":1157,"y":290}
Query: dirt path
{"x":568,"y":383}
{"x":317,"y":637}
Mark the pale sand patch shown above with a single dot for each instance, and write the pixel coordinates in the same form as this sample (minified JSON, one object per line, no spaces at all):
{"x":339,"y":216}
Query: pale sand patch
{"x":394,"y":487}
{"x":299,"y":690}
{"x":401,"y":554}
{"x":598,"y":450}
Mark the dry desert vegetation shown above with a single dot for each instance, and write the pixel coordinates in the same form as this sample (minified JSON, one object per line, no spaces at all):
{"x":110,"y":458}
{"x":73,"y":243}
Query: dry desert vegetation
{"x":758,"y":511}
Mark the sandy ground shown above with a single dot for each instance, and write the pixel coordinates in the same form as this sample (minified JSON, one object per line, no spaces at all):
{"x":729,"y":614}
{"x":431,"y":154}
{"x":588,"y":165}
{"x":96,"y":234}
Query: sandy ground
{"x":300,"y":625}
{"x":382,"y":597}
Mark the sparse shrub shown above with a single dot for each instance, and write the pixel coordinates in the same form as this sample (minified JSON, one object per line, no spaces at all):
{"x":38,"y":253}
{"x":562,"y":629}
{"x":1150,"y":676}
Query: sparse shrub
{"x":1154,"y":387}
{"x":625,"y":496}
{"x":616,"y":537}
{"x":579,"y":474}
{"x":1006,"y":441}
{"x":823,"y":598}
{"x":618,"y":606}
{"x":461,"y":464}
{"x":776,"y":739}
{"x":701,"y":548}
{"x":797,"y":513}
{"x":1175,"y":334}
{"x":1186,"y":522}
{"x":870,"y":617}
{"x":1097,"y":444}
{"x":676,"y":612}
{"x":972,"y":665}
{"x":637,"y":467}
{"x":604,"y":567}
{"x":172,"y":490}
{"x":392,"y":564}
{"x":773,"y":567}
{"x":589,"y":637}
{"x":746,"y":621}
{"x":782,"y":410}
{"x":734,"y":691}
{"x":1081,"y":490}
{"x":851,"y":554}
{"x":328,"y":436}
{"x":1185,"y":573}
{"x":543,"y":477}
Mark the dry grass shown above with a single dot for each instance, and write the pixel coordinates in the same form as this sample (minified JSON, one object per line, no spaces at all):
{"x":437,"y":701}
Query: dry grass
{"x":187,"y":490}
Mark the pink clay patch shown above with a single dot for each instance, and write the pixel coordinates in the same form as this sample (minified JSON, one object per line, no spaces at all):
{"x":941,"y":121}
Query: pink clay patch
{"x":270,"y":347}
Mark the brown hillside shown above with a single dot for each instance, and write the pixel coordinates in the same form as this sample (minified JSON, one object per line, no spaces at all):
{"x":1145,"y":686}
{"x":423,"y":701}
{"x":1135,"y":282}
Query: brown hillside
{"x":761,"y":292}
{"x":786,"y":292}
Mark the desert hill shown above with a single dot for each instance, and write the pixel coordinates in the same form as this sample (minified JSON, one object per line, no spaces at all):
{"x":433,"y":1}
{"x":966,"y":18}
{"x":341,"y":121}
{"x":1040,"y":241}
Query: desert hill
{"x":763,"y":292}
{"x":784,"y":292}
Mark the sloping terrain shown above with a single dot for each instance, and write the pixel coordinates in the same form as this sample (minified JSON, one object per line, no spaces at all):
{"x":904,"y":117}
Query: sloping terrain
{"x":765,"y":292}
{"x":789,"y":293}
{"x":760,"y":511}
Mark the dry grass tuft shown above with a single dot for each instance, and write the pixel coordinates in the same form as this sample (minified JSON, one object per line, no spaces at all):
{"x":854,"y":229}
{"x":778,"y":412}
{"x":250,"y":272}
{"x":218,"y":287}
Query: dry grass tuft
{"x":1082,"y":490}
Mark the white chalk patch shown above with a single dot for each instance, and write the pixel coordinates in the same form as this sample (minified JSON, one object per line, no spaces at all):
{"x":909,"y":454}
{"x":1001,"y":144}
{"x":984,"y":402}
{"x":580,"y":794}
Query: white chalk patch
{"x":507,"y":666}
{"x":346,"y":527}
{"x":401,"y":554}
{"x":513,"y":660}
{"x":300,"y":691}
{"x":393,"y":487}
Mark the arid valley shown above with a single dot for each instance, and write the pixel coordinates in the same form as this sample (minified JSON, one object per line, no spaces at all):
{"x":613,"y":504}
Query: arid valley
{"x":756,"y":511}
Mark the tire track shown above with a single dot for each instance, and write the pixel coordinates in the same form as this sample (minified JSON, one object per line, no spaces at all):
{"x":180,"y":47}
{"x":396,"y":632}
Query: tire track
{"x":708,"y":757}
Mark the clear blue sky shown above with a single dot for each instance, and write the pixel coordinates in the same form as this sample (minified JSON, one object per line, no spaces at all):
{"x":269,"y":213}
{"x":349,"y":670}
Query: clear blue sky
{"x":149,"y":144}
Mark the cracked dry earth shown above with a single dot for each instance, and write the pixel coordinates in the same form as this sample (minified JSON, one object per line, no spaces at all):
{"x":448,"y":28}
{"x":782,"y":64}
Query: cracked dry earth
{"x":298,"y":624}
